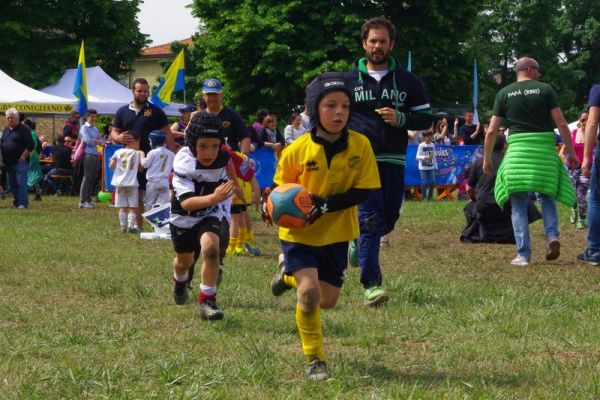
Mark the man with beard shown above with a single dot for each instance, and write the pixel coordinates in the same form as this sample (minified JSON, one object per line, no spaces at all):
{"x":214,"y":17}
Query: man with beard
{"x":386,"y":102}
{"x":140,"y":117}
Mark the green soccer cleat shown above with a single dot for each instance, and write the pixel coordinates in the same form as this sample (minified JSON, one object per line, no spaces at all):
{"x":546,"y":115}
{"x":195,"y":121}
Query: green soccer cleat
{"x":375,"y":296}
{"x":581,"y":223}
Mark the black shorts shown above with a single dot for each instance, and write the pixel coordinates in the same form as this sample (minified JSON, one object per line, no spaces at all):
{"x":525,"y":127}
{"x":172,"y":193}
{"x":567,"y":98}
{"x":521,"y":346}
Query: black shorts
{"x":187,"y":240}
{"x":330,"y":260}
{"x":238,"y":208}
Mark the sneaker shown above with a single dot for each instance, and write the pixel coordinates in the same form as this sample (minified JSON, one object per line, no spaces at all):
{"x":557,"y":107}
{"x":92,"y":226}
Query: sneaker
{"x":133,"y":230}
{"x":385,"y":241}
{"x":553,"y":251}
{"x":58,"y":193}
{"x":88,"y":204}
{"x":238,"y":251}
{"x":317,"y":370}
{"x":520,"y":261}
{"x":81,"y":205}
{"x":353,"y":254}
{"x":21,"y":207}
{"x":278,"y":285}
{"x":586,"y":257}
{"x":581,"y":223}
{"x":375,"y":295}
{"x":209,"y":311}
{"x":251,"y":248}
{"x":123,"y":229}
{"x":180,"y":292}
{"x":573,"y":216}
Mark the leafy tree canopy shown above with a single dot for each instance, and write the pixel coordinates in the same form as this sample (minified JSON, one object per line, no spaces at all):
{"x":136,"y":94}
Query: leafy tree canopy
{"x":40,"y":38}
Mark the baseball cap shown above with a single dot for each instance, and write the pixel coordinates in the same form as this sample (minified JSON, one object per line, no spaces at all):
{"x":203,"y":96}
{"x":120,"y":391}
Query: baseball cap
{"x":212,"y":85}
{"x":188,"y":108}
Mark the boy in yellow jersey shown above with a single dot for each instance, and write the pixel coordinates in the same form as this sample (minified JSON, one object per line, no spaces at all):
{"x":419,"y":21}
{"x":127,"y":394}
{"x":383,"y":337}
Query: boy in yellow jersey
{"x":338,"y":167}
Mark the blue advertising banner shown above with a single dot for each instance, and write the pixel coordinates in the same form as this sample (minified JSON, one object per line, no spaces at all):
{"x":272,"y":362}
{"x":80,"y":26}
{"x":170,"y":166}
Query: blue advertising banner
{"x":109,"y":150}
{"x":265,"y":166}
{"x":453,"y":164}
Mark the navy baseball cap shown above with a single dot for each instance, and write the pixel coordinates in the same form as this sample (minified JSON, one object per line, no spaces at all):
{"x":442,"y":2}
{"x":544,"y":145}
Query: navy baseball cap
{"x":187,"y":109}
{"x":212,"y":85}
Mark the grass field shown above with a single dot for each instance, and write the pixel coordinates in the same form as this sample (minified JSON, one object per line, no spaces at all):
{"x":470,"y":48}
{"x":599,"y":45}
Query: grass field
{"x":87,"y":312}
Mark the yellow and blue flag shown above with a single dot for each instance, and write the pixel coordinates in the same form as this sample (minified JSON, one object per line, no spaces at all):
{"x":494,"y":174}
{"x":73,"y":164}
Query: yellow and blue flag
{"x":80,"y":85}
{"x":174,"y":81}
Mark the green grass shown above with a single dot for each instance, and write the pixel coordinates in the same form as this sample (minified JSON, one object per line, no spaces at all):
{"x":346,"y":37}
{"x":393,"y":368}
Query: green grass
{"x":87,"y":312}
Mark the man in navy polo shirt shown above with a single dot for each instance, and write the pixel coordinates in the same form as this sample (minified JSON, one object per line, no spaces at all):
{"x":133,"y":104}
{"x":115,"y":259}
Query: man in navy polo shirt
{"x":140,"y":117}
{"x":234,"y":130}
{"x":16,"y":146}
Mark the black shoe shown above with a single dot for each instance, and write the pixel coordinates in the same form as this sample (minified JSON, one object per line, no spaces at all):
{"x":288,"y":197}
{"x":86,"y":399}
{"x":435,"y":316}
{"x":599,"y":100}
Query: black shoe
{"x":209,"y":311}
{"x":317,"y":370}
{"x":180,"y":293}
{"x":278,"y":285}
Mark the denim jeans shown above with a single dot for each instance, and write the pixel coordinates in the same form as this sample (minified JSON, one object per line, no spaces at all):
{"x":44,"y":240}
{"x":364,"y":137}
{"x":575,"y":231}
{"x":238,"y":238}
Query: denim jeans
{"x":17,"y":181}
{"x":427,"y":181}
{"x":593,"y":239}
{"x":520,"y":221}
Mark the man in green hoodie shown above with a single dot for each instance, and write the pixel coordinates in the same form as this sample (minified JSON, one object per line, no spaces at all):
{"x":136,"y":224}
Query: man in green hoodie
{"x":531,"y":164}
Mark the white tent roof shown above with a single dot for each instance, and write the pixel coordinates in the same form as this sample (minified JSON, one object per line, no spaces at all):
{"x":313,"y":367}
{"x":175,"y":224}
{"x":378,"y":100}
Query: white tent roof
{"x":104,"y":93}
{"x":12,"y":91}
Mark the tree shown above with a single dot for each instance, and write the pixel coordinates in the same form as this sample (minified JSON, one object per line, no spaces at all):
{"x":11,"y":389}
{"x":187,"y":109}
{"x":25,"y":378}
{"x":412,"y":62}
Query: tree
{"x":266,"y":52}
{"x":40,"y":38}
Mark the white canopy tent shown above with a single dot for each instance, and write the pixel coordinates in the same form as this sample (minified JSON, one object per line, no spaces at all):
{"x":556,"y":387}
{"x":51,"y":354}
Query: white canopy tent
{"x":25,"y":99}
{"x":105,"y":94}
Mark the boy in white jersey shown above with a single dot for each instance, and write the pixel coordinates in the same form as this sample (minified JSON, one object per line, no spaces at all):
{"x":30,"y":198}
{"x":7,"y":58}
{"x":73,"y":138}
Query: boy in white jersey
{"x":126,"y":162}
{"x":203,"y":181}
{"x":158,"y":164}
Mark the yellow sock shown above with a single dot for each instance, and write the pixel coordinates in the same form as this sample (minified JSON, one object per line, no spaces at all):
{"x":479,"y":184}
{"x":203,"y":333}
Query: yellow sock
{"x":240,"y":239}
{"x":311,"y":335}
{"x":232,"y":243}
{"x":290,"y":281}
{"x":249,"y":235}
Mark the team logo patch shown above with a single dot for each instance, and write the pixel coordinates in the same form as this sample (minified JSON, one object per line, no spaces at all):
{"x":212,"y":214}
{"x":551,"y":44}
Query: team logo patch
{"x":226,"y":124}
{"x":148,"y":112}
{"x":312,"y":165}
{"x":354,"y":162}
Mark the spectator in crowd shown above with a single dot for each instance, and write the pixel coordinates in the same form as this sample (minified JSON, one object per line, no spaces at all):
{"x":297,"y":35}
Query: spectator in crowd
{"x":427,"y":165}
{"x":470,"y":134}
{"x":71,"y":128}
{"x":91,"y":163}
{"x":61,"y":164}
{"x":294,"y":130}
{"x":306,"y":118}
{"x":258,"y":123}
{"x":580,"y":182}
{"x":178,"y":128}
{"x":530,"y":109}
{"x":269,"y":136}
{"x":415,"y":137}
{"x":441,"y":132}
{"x":106,"y":133}
{"x":16,"y":146}
{"x":589,"y":168}
{"x":69,"y":142}
{"x":34,"y":175}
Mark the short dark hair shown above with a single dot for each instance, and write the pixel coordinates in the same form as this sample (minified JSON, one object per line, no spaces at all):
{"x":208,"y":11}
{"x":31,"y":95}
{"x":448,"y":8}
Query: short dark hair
{"x":138,"y":80}
{"x":378,"y":23}
{"x":74,"y":113}
{"x":60,"y":139}
{"x":91,"y":111}
{"x":30,"y":124}
{"x":261,"y":114}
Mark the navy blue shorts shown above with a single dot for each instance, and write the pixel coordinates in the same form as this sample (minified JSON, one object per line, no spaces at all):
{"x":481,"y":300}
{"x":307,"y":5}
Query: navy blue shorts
{"x":330,"y":260}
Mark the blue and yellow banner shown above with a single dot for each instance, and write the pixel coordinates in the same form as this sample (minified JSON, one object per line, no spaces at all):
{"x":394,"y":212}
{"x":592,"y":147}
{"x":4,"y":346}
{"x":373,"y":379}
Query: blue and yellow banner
{"x":80,"y":84}
{"x":174,"y":81}
{"x":453,"y":164}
